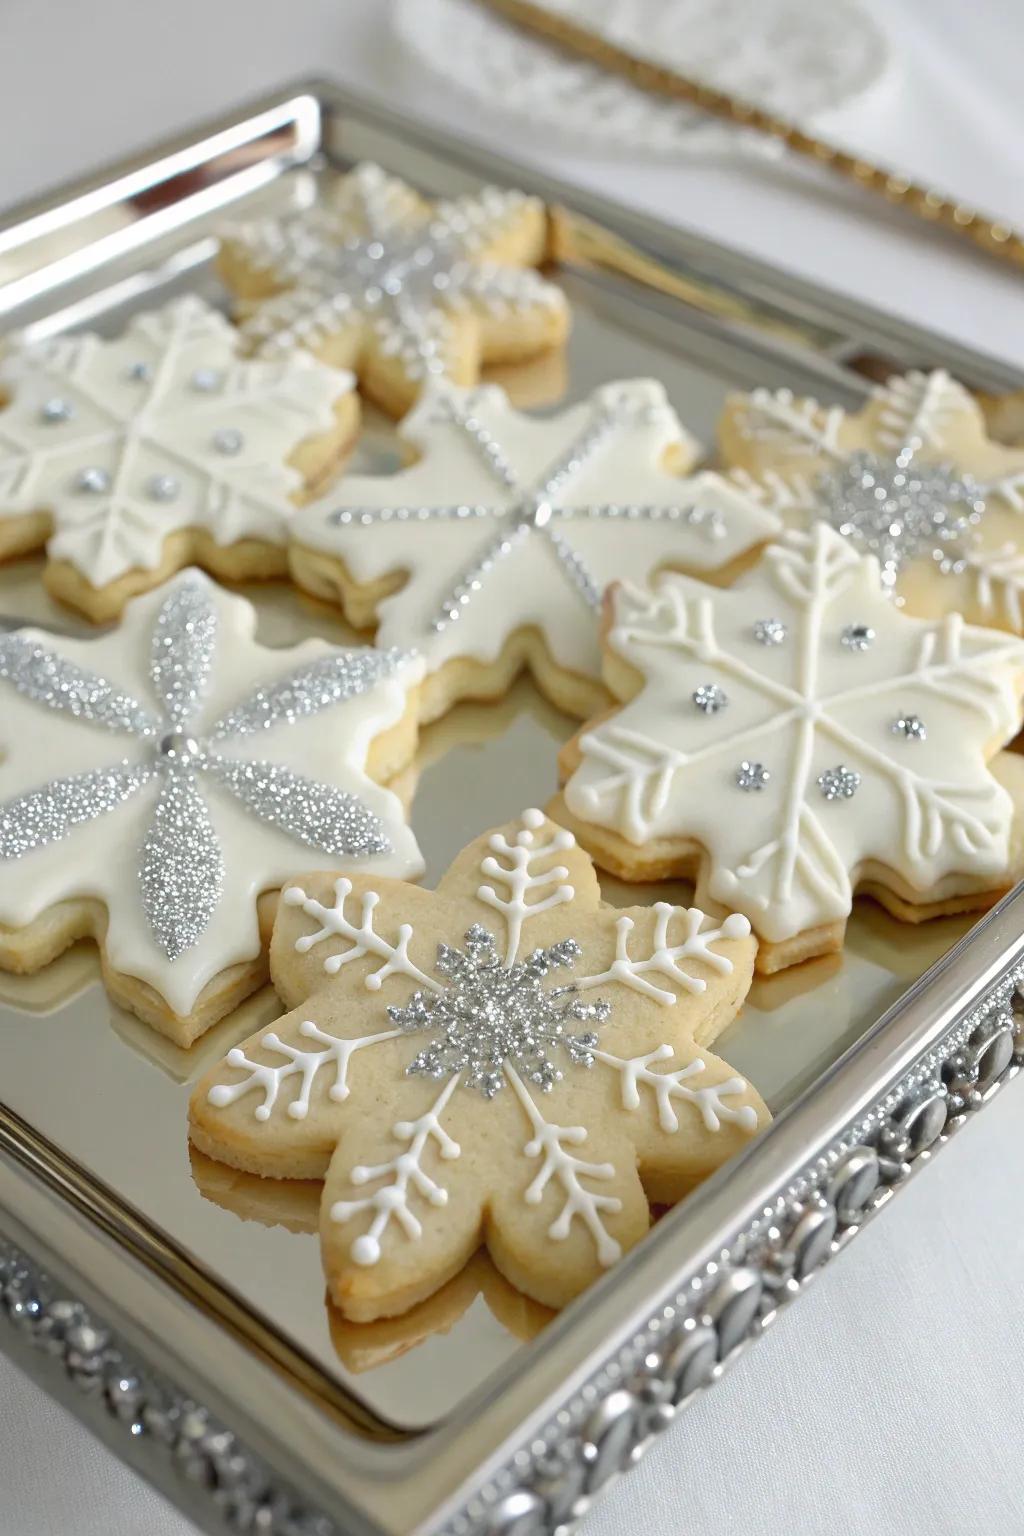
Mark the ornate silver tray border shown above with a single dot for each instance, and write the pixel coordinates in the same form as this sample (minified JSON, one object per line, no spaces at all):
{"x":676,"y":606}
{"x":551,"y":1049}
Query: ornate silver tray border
{"x":611,"y":1379}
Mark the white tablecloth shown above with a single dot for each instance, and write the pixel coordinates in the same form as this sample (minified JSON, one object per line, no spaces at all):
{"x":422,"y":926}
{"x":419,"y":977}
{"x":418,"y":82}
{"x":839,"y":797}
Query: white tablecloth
{"x":890,"y":1399}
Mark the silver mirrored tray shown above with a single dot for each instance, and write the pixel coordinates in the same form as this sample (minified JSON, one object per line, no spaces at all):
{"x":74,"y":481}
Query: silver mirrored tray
{"x":179,"y":1306}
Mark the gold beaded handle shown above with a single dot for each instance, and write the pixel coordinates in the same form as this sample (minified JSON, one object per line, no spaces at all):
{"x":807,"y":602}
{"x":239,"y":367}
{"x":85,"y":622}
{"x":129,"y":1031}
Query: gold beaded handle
{"x":997,"y":239}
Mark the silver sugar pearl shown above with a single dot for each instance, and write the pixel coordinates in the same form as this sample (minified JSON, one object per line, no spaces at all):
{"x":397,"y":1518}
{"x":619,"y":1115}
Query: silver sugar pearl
{"x":910,"y":727}
{"x":769,"y":631}
{"x":839,"y":783}
{"x":140,"y":373}
{"x":178,"y":747}
{"x":858,"y":637}
{"x":162,"y":487}
{"x":751,"y":776}
{"x":55,"y":410}
{"x":206,"y":380}
{"x":228,"y":441}
{"x":709,"y":698}
{"x":93,"y":480}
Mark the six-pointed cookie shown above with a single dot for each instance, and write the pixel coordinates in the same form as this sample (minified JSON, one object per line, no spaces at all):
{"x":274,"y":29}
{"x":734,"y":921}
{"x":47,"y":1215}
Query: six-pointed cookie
{"x":158,"y":781}
{"x":505,"y":1061}
{"x":798,"y":737}
{"x":493,"y":549}
{"x":377,"y":279}
{"x":912,"y":478}
{"x":161,"y":448}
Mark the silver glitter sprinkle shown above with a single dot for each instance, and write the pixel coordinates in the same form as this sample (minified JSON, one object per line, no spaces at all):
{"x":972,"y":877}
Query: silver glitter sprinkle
{"x":228,"y":441}
{"x":55,"y":410}
{"x":910,"y":727}
{"x":140,"y":373}
{"x":858,"y":637}
{"x":206,"y":380}
{"x":709,"y":698}
{"x":899,"y":510}
{"x":93,"y":480}
{"x":769,"y":631}
{"x":839,"y":783}
{"x":181,"y":867}
{"x":491,"y":1013}
{"x":752,"y":776}
{"x":163,"y":487}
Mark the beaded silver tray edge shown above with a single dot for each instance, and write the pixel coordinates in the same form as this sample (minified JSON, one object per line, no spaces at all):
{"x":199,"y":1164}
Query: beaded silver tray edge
{"x":109,"y":1320}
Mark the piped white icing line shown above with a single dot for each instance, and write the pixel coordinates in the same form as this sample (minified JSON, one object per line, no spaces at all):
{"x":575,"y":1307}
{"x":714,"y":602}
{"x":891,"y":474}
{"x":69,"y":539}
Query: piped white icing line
{"x":165,"y":427}
{"x":401,"y":1174}
{"x":509,"y":522}
{"x":515,"y":888}
{"x":265,"y":719}
{"x":927,"y":808}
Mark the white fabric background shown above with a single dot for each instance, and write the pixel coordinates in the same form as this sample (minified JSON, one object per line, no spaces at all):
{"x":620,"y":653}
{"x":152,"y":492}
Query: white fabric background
{"x":890,"y":1399}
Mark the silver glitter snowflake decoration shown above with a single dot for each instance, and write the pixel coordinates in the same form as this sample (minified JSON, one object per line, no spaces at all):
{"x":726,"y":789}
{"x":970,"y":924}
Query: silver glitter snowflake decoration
{"x":490,"y":1013}
{"x":181,"y":864}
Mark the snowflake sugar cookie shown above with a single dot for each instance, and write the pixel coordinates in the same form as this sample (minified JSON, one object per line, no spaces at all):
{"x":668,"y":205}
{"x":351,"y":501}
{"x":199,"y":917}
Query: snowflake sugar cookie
{"x":156,"y":781}
{"x":494,"y":548}
{"x":402,"y":290}
{"x":798,"y":737}
{"x":912,"y":478}
{"x":506,"y":1061}
{"x":133,"y":457}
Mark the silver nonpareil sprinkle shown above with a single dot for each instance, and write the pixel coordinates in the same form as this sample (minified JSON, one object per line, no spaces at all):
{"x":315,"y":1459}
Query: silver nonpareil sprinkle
{"x":92,"y":480}
{"x":769,"y":631}
{"x":858,"y":637}
{"x":752,"y":776}
{"x":910,"y":727}
{"x":206,"y":380}
{"x":709,"y":698}
{"x":491,"y":1013}
{"x":228,"y":441}
{"x":839,"y":783}
{"x":55,"y":410}
{"x":163,"y":487}
{"x":181,"y":864}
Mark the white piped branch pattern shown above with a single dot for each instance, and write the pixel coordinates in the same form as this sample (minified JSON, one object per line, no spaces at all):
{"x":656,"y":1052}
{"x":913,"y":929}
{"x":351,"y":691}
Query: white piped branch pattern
{"x":364,"y":938}
{"x":403,"y":1174}
{"x":794,"y":426}
{"x":566,"y":1171}
{"x":664,"y":958}
{"x":304,"y":1064}
{"x":520,"y":879}
{"x":666,"y":1086}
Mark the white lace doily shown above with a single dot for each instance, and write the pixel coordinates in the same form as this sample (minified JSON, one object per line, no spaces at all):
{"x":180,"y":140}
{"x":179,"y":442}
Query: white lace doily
{"x":799,"y":57}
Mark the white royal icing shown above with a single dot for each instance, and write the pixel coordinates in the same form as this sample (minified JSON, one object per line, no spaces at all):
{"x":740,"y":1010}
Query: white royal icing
{"x":944,"y":516}
{"x":508,"y":521}
{"x":124,"y":442}
{"x":373,"y":256}
{"x":519,"y":882}
{"x":860,"y":733}
{"x":269,"y":732}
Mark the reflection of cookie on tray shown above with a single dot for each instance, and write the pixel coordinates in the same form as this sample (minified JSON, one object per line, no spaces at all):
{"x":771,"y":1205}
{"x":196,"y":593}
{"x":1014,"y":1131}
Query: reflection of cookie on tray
{"x":795,"y":738}
{"x":377,"y":279}
{"x":506,"y":1061}
{"x":491,"y":551}
{"x":162,"y":448}
{"x":912,"y":478}
{"x":46,"y":991}
{"x":161,"y":781}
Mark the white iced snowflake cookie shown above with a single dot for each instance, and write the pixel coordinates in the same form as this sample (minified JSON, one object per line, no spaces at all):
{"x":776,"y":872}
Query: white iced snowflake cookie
{"x":797,"y":738}
{"x":157,"y":781}
{"x":493,"y":549}
{"x":378,"y":279}
{"x":505,"y":1061}
{"x":912,"y":478}
{"x":130,"y":458}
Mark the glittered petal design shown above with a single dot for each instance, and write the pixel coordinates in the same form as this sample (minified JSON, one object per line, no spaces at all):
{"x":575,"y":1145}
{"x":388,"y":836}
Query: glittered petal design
{"x":48,"y":814}
{"x":49,"y":678}
{"x":182,"y":869}
{"x":308,"y":689}
{"x":314,"y":813}
{"x":184,"y":638}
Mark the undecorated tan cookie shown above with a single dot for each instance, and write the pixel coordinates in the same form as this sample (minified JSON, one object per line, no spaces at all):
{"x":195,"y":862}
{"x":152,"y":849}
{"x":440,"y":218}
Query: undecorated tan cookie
{"x":506,"y":1062}
{"x":490,"y":553}
{"x":912,"y":478}
{"x":162,"y":448}
{"x":377,"y":279}
{"x":797,"y":738}
{"x":158,"y":783}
